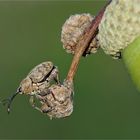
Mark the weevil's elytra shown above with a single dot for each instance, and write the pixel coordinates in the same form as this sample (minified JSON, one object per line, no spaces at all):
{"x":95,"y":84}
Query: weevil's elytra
{"x":41,"y":71}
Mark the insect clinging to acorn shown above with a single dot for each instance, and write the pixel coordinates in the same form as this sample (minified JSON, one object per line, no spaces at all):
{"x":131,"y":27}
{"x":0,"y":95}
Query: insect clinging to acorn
{"x":116,"y":30}
{"x":43,"y":83}
{"x":37,"y":81}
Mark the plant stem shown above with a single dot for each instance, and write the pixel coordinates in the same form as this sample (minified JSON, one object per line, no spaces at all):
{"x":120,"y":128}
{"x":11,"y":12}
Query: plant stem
{"x":83,"y":43}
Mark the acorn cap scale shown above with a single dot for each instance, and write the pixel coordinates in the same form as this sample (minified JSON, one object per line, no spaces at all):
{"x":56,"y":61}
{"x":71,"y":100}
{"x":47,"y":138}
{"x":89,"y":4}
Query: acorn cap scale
{"x":73,"y":29}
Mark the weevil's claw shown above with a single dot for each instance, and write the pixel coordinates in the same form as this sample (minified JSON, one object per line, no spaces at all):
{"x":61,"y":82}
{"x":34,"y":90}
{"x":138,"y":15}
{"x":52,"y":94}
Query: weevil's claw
{"x":6,"y":102}
{"x":8,"y":110}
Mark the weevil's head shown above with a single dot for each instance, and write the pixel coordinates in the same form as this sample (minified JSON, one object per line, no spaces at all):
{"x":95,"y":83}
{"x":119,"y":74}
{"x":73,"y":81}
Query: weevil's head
{"x":26,"y":86}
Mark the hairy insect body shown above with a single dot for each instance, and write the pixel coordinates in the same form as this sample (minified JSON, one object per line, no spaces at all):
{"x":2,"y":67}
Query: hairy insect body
{"x":36,"y":83}
{"x":41,"y":72}
{"x":39,"y":79}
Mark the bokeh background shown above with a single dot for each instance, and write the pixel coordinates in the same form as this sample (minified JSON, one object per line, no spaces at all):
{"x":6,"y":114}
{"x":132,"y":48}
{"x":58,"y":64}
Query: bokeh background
{"x":106,"y":102}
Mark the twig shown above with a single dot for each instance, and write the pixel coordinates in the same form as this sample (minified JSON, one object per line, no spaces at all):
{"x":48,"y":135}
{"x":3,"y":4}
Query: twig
{"x":84,"y":42}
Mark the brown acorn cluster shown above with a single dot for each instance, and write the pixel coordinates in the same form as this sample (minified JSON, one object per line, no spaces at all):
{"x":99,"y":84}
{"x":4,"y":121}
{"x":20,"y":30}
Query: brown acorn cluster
{"x":42,"y":83}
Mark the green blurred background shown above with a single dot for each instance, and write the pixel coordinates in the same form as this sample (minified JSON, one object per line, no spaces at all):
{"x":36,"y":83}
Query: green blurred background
{"x":106,"y":103}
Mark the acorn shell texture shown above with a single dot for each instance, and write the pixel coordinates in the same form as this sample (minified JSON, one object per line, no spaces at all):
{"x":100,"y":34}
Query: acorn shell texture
{"x":73,"y":29}
{"x":119,"y":26}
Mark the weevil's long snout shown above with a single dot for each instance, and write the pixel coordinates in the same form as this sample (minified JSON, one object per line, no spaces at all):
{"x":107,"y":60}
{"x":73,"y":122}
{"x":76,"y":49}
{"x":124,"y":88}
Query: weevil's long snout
{"x":9,"y":100}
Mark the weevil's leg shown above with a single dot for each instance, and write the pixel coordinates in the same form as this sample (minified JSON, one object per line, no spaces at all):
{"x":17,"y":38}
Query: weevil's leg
{"x":56,"y":78}
{"x":118,"y":55}
{"x":32,"y":102}
{"x":42,"y":94}
{"x":45,"y":108}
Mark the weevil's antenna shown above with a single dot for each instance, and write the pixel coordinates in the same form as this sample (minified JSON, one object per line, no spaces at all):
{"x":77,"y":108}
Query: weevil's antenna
{"x":9,"y":100}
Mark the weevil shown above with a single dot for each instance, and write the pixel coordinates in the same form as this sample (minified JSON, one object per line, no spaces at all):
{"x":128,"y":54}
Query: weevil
{"x":36,"y":83}
{"x":57,"y":101}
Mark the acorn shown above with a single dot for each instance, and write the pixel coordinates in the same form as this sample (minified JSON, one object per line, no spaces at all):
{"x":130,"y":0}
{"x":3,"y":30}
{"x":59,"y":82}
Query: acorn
{"x":119,"y":33}
{"x":73,"y":29}
{"x":119,"y":26}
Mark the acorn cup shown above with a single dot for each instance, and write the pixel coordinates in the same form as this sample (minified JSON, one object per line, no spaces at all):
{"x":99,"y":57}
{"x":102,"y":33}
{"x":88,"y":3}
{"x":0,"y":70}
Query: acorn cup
{"x":119,"y":33}
{"x":72,"y":31}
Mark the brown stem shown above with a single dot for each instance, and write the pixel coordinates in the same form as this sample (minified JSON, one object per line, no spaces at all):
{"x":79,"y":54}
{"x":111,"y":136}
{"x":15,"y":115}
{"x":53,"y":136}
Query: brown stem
{"x":84,"y":42}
